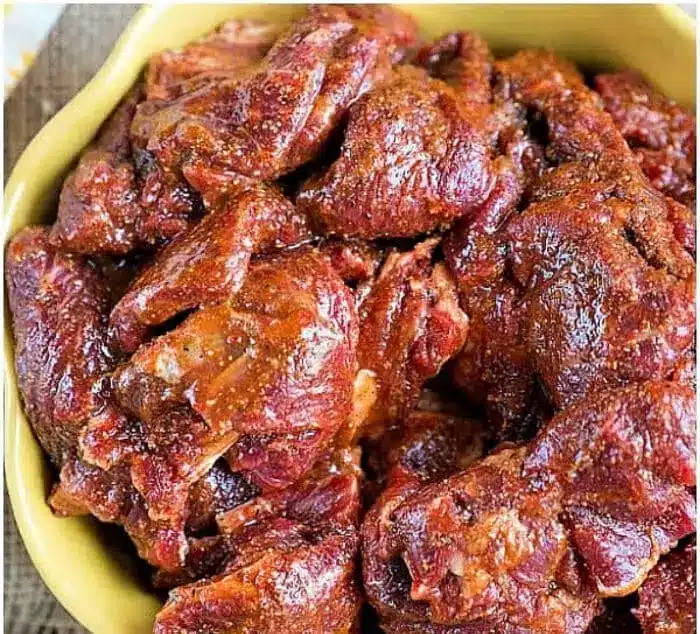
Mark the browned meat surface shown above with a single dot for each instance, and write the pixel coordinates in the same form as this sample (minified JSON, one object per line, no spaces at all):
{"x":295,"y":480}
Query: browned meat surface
{"x":415,"y":157}
{"x":273,"y":365}
{"x":667,"y":598}
{"x":229,"y":48}
{"x":660,"y":132}
{"x":208,"y":263}
{"x":110,"y":205}
{"x":59,"y":310}
{"x":588,"y":287}
{"x":332,"y":295}
{"x":282,"y":576}
{"x":111,"y":497}
{"x":531,"y":537}
{"x":355,"y":261}
{"x":291,"y":567}
{"x":277,"y":115}
{"x":410,"y":325}
{"x":462,"y":59}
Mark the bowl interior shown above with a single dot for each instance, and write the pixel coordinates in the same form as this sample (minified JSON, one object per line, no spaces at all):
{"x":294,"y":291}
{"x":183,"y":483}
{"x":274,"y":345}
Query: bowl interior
{"x":91,"y":569}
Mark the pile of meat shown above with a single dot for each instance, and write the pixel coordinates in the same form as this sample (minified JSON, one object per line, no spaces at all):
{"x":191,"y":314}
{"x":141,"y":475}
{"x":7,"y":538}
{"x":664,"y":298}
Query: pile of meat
{"x":350,"y":330}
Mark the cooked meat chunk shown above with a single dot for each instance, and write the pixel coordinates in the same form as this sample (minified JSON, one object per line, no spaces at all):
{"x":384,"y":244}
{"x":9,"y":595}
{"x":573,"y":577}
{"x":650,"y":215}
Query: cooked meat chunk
{"x":660,"y":132}
{"x":220,"y":490}
{"x":356,"y":261}
{"x":283,"y":576}
{"x":588,"y":287}
{"x":110,"y":497}
{"x":667,"y":597}
{"x":207,"y":264}
{"x":277,"y":115}
{"x":59,"y":309}
{"x":414,"y":158}
{"x":294,"y":550}
{"x":330,"y":493}
{"x":229,"y":48}
{"x":410,"y":325}
{"x":462,"y":59}
{"x":109,"y":205}
{"x":531,"y":537}
{"x":275,"y":362}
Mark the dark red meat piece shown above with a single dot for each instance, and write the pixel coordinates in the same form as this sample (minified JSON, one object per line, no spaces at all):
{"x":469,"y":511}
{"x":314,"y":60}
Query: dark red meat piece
{"x":109,"y":205}
{"x":59,"y":316}
{"x":229,"y":48}
{"x":661,"y":133}
{"x":275,"y":362}
{"x":588,"y":287}
{"x":283,"y":576}
{"x":414,"y":158}
{"x":208,"y":263}
{"x":667,"y":598}
{"x":410,"y":325}
{"x":277,"y":115}
{"x":462,"y":59}
{"x":291,"y":563}
{"x":110,"y":497}
{"x":530,"y":538}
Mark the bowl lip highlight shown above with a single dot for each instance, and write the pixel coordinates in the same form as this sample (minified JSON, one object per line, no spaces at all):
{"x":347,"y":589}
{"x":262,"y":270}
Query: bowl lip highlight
{"x":111,"y":81}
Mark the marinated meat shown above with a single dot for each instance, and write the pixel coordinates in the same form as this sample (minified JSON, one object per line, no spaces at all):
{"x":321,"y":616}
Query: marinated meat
{"x":355,"y":261}
{"x":415,"y":157}
{"x":111,"y":497}
{"x":429,"y":444}
{"x":229,"y":48}
{"x":667,"y":597}
{"x":588,"y":287}
{"x":292,"y":562}
{"x":115,"y":202}
{"x":330,"y":493}
{"x":59,"y":309}
{"x":462,"y":59}
{"x":220,"y":490}
{"x":329,"y":295}
{"x":207,"y":264}
{"x":276,"y":361}
{"x":278,"y":114}
{"x":626,"y":502}
{"x":410,"y":325}
{"x":283,"y":576}
{"x":660,"y":132}
{"x":531,"y":537}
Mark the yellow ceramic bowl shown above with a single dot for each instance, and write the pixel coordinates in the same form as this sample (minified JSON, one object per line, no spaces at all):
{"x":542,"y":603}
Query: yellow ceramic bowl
{"x":77,"y":559}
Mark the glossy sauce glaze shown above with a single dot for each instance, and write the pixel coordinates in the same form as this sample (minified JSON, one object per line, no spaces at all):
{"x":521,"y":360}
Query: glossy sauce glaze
{"x":332,"y":315}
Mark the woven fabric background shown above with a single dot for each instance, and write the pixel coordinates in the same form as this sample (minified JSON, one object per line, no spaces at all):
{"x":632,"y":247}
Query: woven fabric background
{"x":75,"y":49}
{"x":77,"y":46}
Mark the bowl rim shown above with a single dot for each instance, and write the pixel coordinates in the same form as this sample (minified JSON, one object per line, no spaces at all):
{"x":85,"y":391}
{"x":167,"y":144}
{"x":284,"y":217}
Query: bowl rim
{"x":112,"y":80}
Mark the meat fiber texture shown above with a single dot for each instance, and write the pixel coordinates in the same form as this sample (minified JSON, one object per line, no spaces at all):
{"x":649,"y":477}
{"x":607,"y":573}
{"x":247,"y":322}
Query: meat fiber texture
{"x":328,"y":294}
